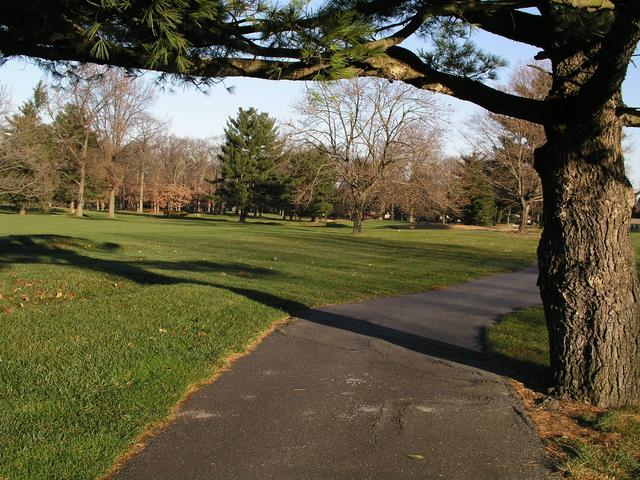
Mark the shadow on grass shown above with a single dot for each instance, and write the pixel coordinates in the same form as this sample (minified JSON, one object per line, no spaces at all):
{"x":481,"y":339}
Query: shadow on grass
{"x":337,"y":225}
{"x":206,"y":218}
{"x":417,"y":226}
{"x":440,"y":253}
{"x":532,"y":375}
{"x":62,"y":250}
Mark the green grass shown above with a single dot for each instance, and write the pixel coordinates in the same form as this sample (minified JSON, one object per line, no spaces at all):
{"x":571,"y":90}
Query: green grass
{"x":519,"y":344}
{"x":619,"y":459}
{"x":105,"y":323}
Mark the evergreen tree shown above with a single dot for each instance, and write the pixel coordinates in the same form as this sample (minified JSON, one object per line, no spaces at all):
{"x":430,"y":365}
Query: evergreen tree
{"x":481,"y":198}
{"x":310,"y":180}
{"x":26,"y":155}
{"x":248,"y":159}
{"x":77,"y":151}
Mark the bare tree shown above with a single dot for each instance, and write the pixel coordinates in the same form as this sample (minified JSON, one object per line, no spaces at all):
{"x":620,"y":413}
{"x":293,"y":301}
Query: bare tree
{"x":202,"y":165}
{"x":5,"y":103}
{"x":77,"y":107}
{"x":126,"y":101}
{"x":509,"y":144}
{"x":426,"y":183}
{"x":147,"y":131}
{"x":360,"y":126}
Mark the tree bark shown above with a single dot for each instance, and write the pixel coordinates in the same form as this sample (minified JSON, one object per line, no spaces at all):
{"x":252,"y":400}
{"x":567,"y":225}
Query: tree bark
{"x":588,"y":279}
{"x":83,"y":173}
{"x":141,"y":193}
{"x":81,"y":183}
{"x":524,"y":216}
{"x":72,"y":206}
{"x":357,"y":217}
{"x":112,"y":203}
{"x":22,"y":210}
{"x":243,"y":215}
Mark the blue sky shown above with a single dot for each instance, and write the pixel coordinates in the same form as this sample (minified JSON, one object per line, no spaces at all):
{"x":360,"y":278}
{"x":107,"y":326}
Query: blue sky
{"x":192,"y":113}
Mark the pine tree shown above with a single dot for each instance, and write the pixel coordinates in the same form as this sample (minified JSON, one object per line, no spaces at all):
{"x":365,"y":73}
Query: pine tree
{"x":248,"y":159}
{"x":481,"y":206}
{"x":26,"y":155}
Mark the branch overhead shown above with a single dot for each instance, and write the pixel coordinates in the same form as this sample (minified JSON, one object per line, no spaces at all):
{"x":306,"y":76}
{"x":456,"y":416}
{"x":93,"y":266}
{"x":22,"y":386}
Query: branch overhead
{"x":211,"y":39}
{"x":630,"y":116}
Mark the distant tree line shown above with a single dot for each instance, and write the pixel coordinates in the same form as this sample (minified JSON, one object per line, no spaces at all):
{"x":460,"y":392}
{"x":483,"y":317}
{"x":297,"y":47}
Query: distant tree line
{"x":360,"y":148}
{"x":92,"y":141}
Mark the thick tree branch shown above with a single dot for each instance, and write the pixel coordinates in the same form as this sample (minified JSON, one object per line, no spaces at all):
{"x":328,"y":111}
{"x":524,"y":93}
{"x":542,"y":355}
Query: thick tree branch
{"x":509,"y":23}
{"x":618,"y":48}
{"x":630,"y":116}
{"x":401,"y":35}
{"x":402,"y":64}
{"x":208,"y":68}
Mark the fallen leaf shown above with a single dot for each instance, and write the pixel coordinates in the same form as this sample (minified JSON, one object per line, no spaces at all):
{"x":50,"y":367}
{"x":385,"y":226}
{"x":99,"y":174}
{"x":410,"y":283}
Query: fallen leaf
{"x":414,"y":456}
{"x":58,"y":294}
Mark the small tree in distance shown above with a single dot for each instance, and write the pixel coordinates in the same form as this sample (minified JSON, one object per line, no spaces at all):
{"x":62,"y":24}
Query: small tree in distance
{"x":508,"y":144}
{"x":248,"y":158}
{"x":361,"y":126}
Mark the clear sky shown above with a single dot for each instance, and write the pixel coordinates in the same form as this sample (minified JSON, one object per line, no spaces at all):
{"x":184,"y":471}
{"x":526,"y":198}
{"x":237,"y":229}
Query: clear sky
{"x":192,"y":113}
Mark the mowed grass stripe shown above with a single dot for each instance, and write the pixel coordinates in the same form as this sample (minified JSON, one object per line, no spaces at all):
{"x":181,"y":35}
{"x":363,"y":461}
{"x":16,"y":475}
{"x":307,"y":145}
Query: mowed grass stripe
{"x":106,"y":323}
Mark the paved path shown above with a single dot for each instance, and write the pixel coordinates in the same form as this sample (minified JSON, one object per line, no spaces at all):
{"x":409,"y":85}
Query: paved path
{"x":352,"y":391}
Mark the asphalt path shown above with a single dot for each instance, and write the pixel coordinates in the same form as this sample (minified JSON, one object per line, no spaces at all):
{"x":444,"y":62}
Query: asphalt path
{"x":388,"y":389}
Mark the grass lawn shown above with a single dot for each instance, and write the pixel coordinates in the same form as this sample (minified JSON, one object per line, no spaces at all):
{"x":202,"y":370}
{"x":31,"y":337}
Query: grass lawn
{"x":590,"y":443}
{"x":106,"y":323}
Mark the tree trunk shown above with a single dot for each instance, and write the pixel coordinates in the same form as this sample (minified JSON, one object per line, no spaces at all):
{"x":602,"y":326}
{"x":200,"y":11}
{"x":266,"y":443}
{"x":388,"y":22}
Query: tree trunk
{"x":81,"y":182}
{"x":357,"y":217}
{"x":22,"y":210}
{"x":72,"y":206}
{"x":524,"y":217}
{"x":141,"y":193}
{"x":411,"y":219}
{"x":588,"y":280}
{"x":82,"y":173}
{"x":112,"y":203}
{"x":243,"y":215}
